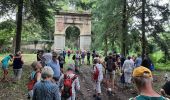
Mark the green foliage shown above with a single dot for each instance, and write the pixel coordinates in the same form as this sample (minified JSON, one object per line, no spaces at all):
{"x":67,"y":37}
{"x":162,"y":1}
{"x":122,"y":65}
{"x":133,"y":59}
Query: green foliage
{"x":6,"y":31}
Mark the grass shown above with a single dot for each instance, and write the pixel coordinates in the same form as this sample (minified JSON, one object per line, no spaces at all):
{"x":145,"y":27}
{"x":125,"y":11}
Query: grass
{"x":162,"y":66}
{"x":156,"y":57}
{"x":18,"y":91}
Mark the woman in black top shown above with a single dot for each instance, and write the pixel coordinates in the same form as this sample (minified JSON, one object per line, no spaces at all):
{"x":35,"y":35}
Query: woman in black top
{"x":17,"y":66}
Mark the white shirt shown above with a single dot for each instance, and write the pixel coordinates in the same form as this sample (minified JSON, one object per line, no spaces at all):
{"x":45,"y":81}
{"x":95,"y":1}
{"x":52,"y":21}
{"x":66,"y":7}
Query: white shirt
{"x":128,"y":66}
{"x":100,"y":68}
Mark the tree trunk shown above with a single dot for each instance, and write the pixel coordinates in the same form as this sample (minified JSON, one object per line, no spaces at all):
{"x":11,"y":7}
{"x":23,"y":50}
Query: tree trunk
{"x":124,"y":29}
{"x":106,"y":45}
{"x":143,"y":29}
{"x":19,"y":26}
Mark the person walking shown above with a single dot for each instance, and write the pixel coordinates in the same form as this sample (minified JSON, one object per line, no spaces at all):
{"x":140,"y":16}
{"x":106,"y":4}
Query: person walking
{"x":98,"y":72}
{"x":77,"y":61}
{"x":83,"y":54}
{"x":46,"y":89}
{"x":71,"y":84}
{"x":110,"y":72}
{"x":88,"y":57}
{"x":127,"y":69}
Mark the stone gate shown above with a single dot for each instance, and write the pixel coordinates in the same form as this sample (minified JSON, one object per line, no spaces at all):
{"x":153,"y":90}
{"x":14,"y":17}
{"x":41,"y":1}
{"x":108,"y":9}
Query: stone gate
{"x":64,"y":19}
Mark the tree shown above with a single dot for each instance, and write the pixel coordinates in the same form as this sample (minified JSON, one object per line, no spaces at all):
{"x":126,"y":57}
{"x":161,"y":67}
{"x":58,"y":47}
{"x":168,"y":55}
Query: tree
{"x":33,"y":9}
{"x":19,"y":26}
{"x":124,"y":28}
{"x":143,"y":29}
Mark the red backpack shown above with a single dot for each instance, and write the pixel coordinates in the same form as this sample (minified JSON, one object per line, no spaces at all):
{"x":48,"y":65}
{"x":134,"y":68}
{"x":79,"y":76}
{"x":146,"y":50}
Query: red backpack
{"x":96,"y":74}
{"x":67,"y":91}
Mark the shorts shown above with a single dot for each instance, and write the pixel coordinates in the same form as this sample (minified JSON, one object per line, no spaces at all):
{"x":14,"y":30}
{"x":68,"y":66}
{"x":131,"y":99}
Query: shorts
{"x":110,"y":75}
{"x":61,"y":65}
{"x":4,"y":67}
{"x":68,"y":54}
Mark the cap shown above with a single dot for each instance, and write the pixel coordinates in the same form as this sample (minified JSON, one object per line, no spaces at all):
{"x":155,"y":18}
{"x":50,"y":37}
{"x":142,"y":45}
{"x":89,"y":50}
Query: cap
{"x":142,"y":72}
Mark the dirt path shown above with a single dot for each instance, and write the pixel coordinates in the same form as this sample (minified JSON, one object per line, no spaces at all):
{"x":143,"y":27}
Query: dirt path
{"x":87,"y":91}
{"x":18,"y":91}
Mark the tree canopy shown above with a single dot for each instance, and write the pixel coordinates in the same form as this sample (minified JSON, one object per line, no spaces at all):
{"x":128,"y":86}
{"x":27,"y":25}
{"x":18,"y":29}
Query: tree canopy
{"x":123,"y":25}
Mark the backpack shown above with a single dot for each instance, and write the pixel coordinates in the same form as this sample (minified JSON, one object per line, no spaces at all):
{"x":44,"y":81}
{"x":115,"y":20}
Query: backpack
{"x":74,"y":57}
{"x":67,"y":91}
{"x":32,"y":82}
{"x":96,"y":74}
{"x":110,"y":66}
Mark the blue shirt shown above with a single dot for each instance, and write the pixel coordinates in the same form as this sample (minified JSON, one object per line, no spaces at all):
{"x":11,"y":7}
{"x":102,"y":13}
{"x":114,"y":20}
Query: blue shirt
{"x":5,"y":61}
{"x":138,"y":62}
{"x":46,"y":90}
{"x":56,"y":68}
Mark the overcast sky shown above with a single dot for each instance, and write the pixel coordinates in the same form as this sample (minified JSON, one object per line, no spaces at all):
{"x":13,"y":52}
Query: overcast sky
{"x":12,"y":15}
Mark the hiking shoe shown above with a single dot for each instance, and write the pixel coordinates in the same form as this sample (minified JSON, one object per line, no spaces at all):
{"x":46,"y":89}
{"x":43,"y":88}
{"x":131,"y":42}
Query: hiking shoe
{"x":109,"y":92}
{"x":94,"y":95}
{"x":98,"y":98}
{"x":28,"y":97}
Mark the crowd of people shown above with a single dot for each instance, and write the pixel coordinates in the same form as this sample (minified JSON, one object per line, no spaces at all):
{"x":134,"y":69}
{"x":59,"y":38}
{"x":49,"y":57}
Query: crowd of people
{"x":50,"y":81}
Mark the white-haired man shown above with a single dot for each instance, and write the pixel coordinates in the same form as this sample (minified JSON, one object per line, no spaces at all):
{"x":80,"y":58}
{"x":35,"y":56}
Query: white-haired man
{"x":46,"y":89}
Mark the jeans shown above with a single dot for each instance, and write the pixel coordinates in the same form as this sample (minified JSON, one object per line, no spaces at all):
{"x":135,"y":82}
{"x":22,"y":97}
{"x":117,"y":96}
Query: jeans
{"x":17,"y":74}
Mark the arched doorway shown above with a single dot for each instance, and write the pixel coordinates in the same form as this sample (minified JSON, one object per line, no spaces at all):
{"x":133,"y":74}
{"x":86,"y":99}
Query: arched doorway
{"x":65,"y":19}
{"x":72,"y":37}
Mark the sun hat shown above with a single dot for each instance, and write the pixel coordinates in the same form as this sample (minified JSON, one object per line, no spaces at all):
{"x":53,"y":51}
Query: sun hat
{"x":142,"y":72}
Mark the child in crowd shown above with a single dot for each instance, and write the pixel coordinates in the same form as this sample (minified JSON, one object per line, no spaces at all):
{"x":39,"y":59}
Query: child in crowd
{"x":5,"y":64}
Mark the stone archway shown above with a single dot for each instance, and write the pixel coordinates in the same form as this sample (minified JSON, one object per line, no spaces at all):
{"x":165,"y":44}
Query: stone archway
{"x":72,"y":37}
{"x":65,"y":19}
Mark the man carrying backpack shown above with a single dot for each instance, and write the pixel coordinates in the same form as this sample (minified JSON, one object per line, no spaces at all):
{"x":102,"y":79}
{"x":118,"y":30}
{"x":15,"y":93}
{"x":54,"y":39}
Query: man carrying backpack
{"x":71,"y":85}
{"x":110,"y":72}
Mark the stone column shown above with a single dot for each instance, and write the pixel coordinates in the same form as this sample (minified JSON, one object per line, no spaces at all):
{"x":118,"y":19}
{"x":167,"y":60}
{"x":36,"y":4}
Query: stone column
{"x":59,"y":42}
{"x":85,"y":42}
{"x":59,"y":35}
